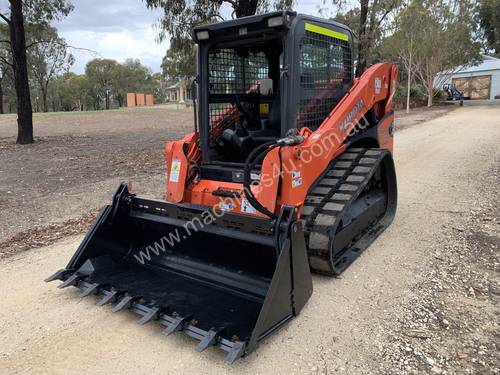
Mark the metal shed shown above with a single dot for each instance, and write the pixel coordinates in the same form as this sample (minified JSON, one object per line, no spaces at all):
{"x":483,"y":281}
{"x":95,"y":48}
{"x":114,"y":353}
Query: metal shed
{"x":481,"y":81}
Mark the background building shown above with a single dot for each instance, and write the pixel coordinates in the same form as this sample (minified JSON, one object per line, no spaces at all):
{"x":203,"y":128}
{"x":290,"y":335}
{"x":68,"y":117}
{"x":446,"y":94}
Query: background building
{"x":481,"y":81}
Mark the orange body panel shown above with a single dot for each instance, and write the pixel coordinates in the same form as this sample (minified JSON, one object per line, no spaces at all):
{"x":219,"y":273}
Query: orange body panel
{"x":289,"y":172}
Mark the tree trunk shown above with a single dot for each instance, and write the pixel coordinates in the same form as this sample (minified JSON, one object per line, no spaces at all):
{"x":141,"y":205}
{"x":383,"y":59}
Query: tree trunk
{"x":409,"y":79}
{"x":45,"y":104}
{"x":20,"y":68}
{"x":362,"y":44}
{"x":430,"y":92}
{"x":1,"y":97}
{"x":408,"y":93}
{"x":430,"y":97}
{"x":246,"y":8}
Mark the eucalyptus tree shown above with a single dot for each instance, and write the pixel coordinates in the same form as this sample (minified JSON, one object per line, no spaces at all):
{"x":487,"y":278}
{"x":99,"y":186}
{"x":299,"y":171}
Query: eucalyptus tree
{"x":18,"y":14}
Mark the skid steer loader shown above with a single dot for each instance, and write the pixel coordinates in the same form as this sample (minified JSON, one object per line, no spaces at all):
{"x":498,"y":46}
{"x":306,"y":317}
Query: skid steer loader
{"x":289,"y":170}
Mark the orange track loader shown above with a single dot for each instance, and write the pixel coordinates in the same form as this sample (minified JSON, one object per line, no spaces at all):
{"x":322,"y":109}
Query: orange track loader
{"x":289,"y":170}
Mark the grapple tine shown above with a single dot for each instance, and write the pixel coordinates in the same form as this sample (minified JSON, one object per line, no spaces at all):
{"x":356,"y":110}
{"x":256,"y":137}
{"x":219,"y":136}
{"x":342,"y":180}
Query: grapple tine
{"x":153,"y":314}
{"x":107,"y":298}
{"x":126,"y":302}
{"x":92,"y":289}
{"x":177,"y":325}
{"x":72,"y":280}
{"x":210,"y":339}
{"x":236,"y":352}
{"x":59,"y":275}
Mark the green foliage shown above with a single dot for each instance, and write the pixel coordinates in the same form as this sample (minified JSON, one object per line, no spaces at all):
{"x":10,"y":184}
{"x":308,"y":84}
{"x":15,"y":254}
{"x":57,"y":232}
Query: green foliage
{"x":70,"y":92}
{"x":109,"y":81}
{"x":433,"y":37}
{"x":179,"y":62}
{"x":35,"y":15}
{"x":44,"y":11}
{"x":370,"y":20}
{"x":48,"y":56}
{"x":489,"y":20}
{"x":102,"y":74}
{"x":181,"y":16}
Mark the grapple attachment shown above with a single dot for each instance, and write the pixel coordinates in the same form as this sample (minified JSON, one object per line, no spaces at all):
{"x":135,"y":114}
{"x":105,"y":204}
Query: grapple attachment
{"x":227,"y":280}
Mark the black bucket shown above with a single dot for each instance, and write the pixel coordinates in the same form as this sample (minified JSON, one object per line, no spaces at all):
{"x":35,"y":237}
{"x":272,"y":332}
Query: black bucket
{"x":227,"y":280}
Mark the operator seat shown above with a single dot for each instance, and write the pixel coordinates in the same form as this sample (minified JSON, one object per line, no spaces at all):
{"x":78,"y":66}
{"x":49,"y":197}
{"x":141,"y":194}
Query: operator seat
{"x":271,"y":127}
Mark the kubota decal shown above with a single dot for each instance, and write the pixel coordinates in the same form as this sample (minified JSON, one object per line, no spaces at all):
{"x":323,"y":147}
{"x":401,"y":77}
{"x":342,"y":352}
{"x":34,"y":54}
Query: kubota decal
{"x":352,"y":115}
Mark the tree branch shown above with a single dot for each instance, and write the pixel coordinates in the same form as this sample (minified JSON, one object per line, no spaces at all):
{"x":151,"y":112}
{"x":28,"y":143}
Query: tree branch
{"x":5,"y":61}
{"x":383,"y":17}
{"x":5,"y":18}
{"x":233,"y":3}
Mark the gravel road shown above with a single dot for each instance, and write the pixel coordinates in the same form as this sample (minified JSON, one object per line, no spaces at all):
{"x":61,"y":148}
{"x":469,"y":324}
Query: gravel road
{"x":350,"y":325}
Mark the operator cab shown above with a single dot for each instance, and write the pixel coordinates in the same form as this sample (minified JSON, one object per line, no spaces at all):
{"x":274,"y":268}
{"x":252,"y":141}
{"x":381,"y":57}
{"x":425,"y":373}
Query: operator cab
{"x":261,"y":76}
{"x":243,"y":96}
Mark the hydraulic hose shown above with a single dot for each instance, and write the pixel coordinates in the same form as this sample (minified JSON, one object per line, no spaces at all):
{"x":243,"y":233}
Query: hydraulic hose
{"x":257,"y":155}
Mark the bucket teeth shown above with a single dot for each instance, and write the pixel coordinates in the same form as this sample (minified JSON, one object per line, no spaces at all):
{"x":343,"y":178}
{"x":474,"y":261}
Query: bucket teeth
{"x":72,"y":280}
{"x":59,"y":275}
{"x":236,"y":352}
{"x":153,"y":314}
{"x":176,"y":325}
{"x":92,"y":289}
{"x":125,"y":303}
{"x":210,"y":339}
{"x":107,"y":298}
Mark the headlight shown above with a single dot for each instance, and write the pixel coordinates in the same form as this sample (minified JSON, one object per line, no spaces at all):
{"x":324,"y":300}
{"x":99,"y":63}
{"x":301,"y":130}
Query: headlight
{"x":202,"y":35}
{"x":275,"y":21}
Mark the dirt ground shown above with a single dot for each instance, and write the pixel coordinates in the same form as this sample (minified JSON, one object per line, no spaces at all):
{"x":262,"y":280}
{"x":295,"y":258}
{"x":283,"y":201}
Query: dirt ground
{"x":55,"y":186}
{"x":422,"y":299}
{"x":78,"y":161}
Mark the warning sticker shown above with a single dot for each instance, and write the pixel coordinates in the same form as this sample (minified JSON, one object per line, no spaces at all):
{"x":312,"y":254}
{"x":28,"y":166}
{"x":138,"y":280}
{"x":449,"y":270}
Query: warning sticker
{"x":175,"y":170}
{"x":296,"y":182}
{"x":247,"y":207}
{"x":255,"y":176}
{"x":264,"y":108}
{"x":226,"y":206}
{"x":378,"y":85}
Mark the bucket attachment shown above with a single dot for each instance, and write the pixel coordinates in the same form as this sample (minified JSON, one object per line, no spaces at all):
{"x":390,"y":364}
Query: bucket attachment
{"x":225,"y":279}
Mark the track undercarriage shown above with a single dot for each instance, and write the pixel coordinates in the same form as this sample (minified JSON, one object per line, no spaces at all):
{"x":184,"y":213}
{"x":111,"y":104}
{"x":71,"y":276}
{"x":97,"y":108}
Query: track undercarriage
{"x":349,"y":206}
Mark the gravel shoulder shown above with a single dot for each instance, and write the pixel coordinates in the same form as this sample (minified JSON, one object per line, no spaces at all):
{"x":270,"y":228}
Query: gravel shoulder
{"x":355,"y":324}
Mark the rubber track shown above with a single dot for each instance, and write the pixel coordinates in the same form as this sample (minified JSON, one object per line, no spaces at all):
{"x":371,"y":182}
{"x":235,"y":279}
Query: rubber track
{"x":329,"y":200}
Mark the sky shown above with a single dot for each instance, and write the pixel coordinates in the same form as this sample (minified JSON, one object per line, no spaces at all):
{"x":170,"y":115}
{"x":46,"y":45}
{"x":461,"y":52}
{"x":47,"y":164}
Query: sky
{"x":121,"y":29}
{"x":114,"y":29}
